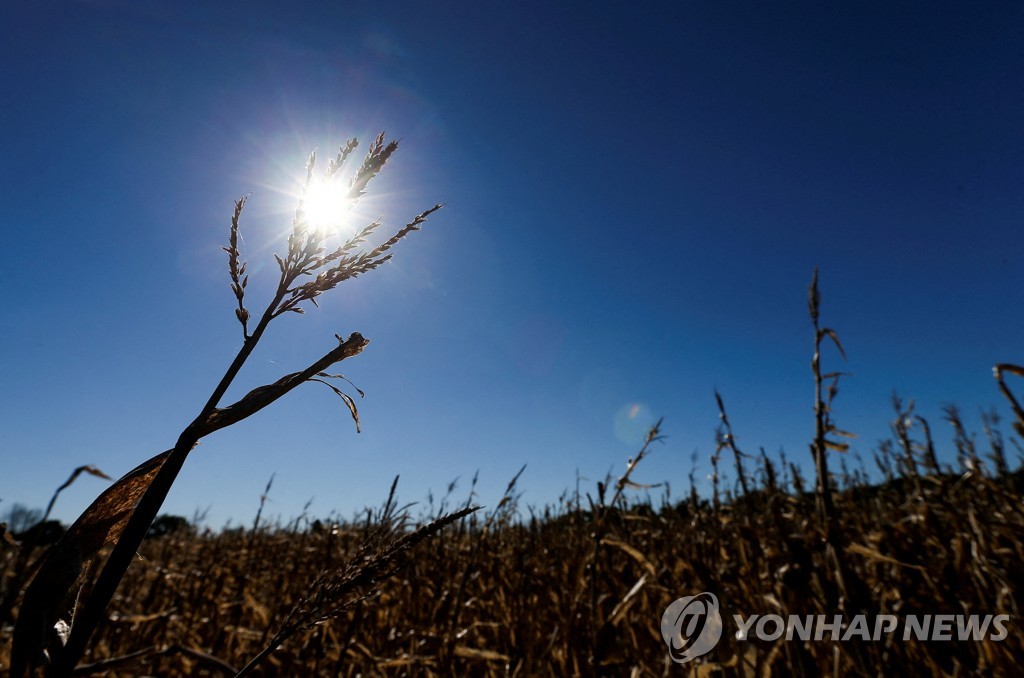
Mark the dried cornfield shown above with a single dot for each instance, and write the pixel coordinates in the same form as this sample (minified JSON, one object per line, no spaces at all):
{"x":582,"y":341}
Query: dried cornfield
{"x":580,"y":587}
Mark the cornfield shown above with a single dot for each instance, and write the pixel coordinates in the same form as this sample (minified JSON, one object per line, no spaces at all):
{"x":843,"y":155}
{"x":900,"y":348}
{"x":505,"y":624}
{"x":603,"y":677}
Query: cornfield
{"x":579,"y":587}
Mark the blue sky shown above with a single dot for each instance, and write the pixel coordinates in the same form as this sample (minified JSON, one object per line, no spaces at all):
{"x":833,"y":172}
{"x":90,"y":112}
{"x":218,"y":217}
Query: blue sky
{"x":636,"y":198}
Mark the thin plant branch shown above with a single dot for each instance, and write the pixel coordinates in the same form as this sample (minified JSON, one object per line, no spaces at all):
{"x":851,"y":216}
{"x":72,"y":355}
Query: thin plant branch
{"x":121,"y":516}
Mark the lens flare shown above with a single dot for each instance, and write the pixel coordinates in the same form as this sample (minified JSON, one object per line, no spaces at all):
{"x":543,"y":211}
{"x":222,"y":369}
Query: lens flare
{"x":632,"y":422}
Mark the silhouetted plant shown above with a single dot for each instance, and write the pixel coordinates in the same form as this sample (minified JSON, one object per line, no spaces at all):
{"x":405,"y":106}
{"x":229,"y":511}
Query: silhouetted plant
{"x":121,"y":516}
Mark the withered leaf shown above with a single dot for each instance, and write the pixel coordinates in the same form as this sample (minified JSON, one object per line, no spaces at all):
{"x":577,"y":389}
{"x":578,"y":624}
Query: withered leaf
{"x":52,"y":595}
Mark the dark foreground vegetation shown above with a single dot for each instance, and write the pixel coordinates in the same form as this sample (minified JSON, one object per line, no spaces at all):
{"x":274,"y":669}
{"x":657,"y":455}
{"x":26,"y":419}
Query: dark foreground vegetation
{"x":580,"y":587}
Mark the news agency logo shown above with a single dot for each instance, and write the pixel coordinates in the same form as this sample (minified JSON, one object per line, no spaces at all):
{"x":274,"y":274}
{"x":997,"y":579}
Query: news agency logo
{"x":691,"y":626}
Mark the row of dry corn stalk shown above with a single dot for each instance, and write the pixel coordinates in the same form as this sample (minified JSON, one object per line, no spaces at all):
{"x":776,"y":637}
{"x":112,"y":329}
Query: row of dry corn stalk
{"x":579,"y":586}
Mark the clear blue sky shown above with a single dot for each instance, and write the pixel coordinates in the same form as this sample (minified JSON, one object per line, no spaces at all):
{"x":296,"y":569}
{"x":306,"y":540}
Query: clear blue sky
{"x":636,"y":197}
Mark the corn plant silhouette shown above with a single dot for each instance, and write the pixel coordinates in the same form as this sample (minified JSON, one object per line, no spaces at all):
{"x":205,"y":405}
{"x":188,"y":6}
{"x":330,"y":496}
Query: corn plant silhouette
{"x":72,"y":589}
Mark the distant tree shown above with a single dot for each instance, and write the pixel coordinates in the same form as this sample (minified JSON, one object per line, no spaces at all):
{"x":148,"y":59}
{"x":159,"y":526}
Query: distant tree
{"x":20,"y":518}
{"x":168,"y":524}
{"x":41,"y":534}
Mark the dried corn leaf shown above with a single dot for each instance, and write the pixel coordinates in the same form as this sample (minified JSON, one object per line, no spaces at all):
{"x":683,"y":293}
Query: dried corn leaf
{"x":484,"y":655}
{"x":831,"y":334}
{"x":873,"y":554}
{"x":838,"y":447}
{"x":53,"y":593}
{"x":627,"y":601}
{"x":633,"y":553}
{"x":349,"y":402}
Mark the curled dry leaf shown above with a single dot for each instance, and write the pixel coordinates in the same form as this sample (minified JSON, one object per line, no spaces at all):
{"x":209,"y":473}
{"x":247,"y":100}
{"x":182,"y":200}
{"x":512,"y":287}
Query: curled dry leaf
{"x":52,"y":597}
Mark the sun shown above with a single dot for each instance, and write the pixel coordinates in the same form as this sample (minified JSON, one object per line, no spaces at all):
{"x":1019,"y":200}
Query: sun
{"x":327,"y":205}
